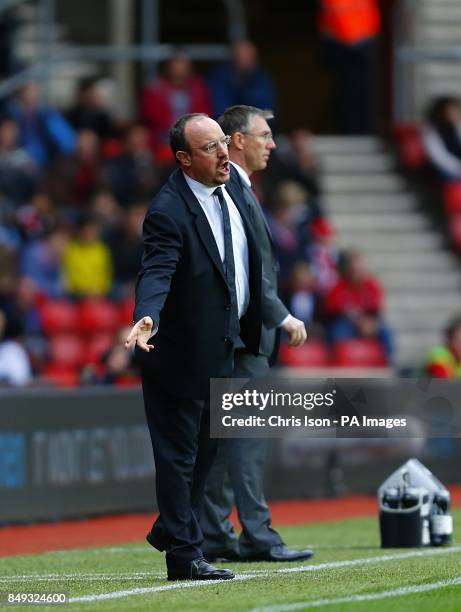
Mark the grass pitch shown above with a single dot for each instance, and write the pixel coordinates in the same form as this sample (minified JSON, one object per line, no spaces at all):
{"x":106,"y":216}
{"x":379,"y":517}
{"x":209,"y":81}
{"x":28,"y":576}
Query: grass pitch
{"x":349,"y":572}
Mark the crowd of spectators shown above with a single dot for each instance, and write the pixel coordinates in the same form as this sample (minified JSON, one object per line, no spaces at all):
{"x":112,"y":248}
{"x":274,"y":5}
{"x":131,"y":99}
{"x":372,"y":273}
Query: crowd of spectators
{"x":74,"y":189}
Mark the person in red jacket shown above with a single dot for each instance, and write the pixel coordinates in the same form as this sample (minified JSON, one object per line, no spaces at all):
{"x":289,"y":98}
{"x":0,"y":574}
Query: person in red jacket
{"x":354,"y":305}
{"x":175,"y":92}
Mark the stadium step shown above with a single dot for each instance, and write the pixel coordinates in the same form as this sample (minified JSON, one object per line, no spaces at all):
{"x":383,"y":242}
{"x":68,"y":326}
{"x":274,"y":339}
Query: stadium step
{"x":358,"y":162}
{"x":436,"y":303}
{"x":379,"y":222}
{"x":422,"y":282}
{"x":364,"y":203}
{"x":430,"y":262}
{"x":372,"y":210}
{"x":362,"y":183}
{"x":347,"y":145}
{"x":384,"y":243}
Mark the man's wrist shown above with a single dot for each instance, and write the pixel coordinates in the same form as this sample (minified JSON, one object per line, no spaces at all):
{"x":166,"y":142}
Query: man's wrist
{"x":285,"y":320}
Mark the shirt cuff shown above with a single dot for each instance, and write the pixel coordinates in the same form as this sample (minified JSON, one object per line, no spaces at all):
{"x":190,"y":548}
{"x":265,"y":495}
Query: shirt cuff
{"x":284,"y":320}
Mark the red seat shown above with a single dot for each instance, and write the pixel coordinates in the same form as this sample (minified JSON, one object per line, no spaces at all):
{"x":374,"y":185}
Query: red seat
{"x":452,"y":197}
{"x":98,"y":315}
{"x":60,"y":375}
{"x":96,"y":346}
{"x":411,"y":146}
{"x":58,"y":316}
{"x":127,"y":381}
{"x":312,"y":354}
{"x":125,"y":310}
{"x":359,"y":353}
{"x":454,"y":226}
{"x":67,"y":350}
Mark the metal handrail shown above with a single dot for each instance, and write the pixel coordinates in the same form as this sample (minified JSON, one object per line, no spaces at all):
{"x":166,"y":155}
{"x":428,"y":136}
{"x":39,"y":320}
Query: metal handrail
{"x":153,"y":52}
{"x":7,"y":4}
{"x":109,"y":53}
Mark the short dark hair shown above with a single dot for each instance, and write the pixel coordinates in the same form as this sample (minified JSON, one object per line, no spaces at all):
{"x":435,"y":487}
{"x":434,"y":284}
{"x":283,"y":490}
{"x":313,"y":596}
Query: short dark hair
{"x":237,"y":118}
{"x":178,"y":141}
{"x":452,"y":327}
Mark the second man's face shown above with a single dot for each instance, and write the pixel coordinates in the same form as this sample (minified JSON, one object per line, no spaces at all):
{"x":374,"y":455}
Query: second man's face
{"x":258,"y":144}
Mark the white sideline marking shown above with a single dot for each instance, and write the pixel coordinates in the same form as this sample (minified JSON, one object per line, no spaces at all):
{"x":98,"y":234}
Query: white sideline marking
{"x":408,"y":590}
{"x":262,"y":573}
{"x":81,"y":576}
{"x":110,"y":549}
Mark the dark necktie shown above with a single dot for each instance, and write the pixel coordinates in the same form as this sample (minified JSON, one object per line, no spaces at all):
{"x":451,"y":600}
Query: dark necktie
{"x":229,"y":264}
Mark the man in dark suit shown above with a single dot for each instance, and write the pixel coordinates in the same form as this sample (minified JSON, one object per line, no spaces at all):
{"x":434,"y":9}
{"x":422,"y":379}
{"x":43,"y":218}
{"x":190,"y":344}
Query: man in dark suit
{"x":238,"y":471}
{"x":198,"y":290}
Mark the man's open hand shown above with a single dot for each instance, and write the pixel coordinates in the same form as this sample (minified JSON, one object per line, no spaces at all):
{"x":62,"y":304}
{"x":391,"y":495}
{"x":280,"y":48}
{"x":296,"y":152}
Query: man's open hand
{"x":140,"y":334}
{"x":296,"y":331}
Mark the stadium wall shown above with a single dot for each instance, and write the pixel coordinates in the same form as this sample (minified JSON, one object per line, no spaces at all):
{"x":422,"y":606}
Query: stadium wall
{"x":77,"y":453}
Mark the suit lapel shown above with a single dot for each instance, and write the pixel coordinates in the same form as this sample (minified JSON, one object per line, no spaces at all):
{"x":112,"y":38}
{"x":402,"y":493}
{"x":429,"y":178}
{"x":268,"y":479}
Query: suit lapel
{"x":251,"y":195}
{"x":201,"y":222}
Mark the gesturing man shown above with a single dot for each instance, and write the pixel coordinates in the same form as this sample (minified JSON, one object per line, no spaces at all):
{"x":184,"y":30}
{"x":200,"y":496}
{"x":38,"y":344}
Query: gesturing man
{"x":199,"y":289}
{"x":239,"y":468}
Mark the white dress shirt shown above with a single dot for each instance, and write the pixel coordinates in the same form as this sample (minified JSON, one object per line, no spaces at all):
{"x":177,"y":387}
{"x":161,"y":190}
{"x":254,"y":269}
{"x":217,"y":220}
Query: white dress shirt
{"x":212,"y":210}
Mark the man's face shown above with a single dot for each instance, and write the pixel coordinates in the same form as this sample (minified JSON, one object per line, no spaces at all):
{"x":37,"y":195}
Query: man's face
{"x":207,"y":168}
{"x":455,"y":341}
{"x":258,"y":144}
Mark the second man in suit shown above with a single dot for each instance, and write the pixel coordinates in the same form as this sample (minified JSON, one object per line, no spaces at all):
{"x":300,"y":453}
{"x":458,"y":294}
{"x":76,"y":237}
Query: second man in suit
{"x":238,"y":471}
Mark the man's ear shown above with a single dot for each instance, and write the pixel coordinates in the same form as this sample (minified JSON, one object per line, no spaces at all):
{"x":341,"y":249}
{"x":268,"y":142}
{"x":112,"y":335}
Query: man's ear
{"x":237,"y":140}
{"x":184,"y":158}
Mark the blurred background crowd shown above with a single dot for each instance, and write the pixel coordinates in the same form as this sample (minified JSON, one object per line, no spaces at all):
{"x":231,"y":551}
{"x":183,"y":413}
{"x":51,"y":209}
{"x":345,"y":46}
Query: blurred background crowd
{"x":78,"y":170}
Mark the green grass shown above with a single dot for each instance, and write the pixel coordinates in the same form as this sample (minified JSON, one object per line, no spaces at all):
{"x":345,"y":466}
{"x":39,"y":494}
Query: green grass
{"x":105,"y":570}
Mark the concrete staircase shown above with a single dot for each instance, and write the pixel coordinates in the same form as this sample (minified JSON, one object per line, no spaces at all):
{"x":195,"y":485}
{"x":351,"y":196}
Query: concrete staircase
{"x":374,"y":211}
{"x":433,"y":25}
{"x":29,"y":39}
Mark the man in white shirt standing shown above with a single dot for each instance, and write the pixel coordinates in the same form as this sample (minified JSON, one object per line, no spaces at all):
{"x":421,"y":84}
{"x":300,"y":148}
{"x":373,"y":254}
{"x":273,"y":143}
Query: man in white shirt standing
{"x":238,"y":471}
{"x":198,"y":291}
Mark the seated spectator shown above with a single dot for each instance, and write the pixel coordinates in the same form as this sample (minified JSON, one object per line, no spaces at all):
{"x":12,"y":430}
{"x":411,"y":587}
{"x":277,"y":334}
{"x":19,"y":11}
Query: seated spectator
{"x":126,"y":246}
{"x":87,"y":262}
{"x":354,"y":306}
{"x":133,"y":176}
{"x":15,"y":367}
{"x":120,"y":366}
{"x":38,"y":217}
{"x":442,"y":136}
{"x":175,"y":92}
{"x":91,"y":110}
{"x":444,"y":361}
{"x":108,"y":212}
{"x":241,"y":81}
{"x":18,"y":172}
{"x":301,"y":292}
{"x":73,"y":178}
{"x":294,"y":160}
{"x":41,"y":262}
{"x":323,"y":255}
{"x":44,"y":132}
{"x":287,"y":218}
{"x":10,"y":236}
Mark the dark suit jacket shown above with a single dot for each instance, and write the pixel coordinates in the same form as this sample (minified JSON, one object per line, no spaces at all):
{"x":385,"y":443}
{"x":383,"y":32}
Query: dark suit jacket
{"x":182,"y":286}
{"x":273,"y":309}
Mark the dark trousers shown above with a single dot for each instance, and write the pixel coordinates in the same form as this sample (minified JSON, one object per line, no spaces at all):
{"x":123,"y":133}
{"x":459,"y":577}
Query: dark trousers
{"x":183,"y":453}
{"x":355,"y":68}
{"x":238,"y":475}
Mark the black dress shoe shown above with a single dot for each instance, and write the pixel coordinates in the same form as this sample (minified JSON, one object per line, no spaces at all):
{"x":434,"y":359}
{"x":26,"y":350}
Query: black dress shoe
{"x":281,"y":552}
{"x":199,"y":569}
{"x":224,"y":554}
